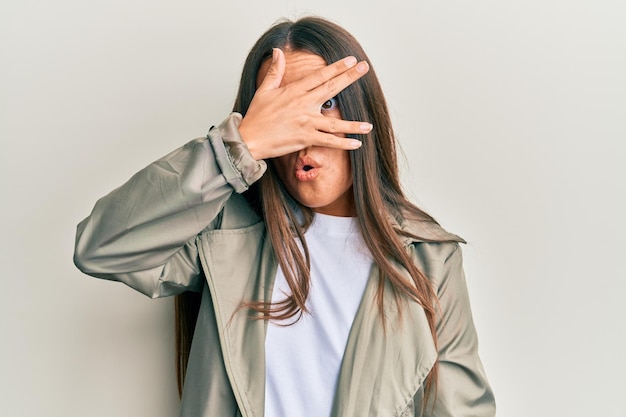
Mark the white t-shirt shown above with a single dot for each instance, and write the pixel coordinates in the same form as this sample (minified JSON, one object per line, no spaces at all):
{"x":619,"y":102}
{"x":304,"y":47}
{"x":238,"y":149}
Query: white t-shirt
{"x":303,"y":359}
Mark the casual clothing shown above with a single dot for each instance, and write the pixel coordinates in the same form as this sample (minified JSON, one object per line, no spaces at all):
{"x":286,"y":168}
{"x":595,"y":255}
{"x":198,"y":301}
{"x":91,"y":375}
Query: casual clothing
{"x":180,"y":224}
{"x":302,"y":361}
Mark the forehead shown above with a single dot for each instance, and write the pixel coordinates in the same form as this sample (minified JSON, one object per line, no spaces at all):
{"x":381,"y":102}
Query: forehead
{"x":298,"y":64}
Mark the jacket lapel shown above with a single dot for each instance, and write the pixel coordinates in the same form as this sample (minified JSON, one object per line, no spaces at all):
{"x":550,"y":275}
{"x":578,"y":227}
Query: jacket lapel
{"x":383,"y":368}
{"x":248,"y":278}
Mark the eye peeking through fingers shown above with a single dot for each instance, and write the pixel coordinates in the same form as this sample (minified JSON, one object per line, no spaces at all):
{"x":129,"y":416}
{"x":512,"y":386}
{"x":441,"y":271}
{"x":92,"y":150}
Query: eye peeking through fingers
{"x":329,"y":105}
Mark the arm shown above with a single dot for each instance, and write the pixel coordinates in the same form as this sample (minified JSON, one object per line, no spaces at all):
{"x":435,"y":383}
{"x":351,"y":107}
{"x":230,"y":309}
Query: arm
{"x":462,"y":386}
{"x":144,"y":231}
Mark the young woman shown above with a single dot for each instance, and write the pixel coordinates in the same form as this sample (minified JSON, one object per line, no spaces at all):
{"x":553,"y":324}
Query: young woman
{"x":306,"y":283}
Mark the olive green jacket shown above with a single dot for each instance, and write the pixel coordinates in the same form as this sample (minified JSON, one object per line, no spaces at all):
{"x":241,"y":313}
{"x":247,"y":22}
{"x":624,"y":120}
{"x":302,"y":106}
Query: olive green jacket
{"x":180,"y":224}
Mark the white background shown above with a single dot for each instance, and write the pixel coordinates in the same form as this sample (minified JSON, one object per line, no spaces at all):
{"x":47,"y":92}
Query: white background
{"x":512,"y":118}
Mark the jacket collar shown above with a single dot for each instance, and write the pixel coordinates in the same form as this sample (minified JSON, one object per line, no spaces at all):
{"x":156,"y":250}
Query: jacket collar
{"x":421,"y":230}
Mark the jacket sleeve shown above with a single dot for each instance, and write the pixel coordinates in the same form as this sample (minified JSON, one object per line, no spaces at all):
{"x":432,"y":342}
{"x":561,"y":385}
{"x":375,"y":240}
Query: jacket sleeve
{"x":462,"y":388}
{"x":144,"y":232}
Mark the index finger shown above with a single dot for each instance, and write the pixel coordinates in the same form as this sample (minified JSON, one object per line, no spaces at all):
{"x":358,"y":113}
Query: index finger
{"x":326,"y":73}
{"x":335,"y":85}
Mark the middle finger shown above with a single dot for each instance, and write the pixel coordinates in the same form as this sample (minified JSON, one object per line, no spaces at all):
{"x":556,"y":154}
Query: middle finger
{"x":335,"y":85}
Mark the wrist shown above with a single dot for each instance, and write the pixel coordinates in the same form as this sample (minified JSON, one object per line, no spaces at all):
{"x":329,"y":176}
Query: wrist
{"x":238,"y":150}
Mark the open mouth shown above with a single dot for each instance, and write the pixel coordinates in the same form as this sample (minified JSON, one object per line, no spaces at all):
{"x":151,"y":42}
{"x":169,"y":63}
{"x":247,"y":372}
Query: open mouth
{"x":306,"y":169}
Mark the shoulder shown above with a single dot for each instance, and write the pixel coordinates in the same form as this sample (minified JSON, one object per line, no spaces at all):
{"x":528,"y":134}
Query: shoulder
{"x":420,"y":228}
{"x":432,"y":248}
{"x":434,"y":258}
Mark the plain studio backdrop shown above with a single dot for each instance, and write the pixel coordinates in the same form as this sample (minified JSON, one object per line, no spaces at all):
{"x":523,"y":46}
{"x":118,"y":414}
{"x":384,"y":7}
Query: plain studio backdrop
{"x":512,"y":120}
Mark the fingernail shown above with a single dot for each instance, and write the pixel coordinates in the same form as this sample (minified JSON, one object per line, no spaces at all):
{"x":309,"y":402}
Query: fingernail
{"x":350,"y":61}
{"x":355,"y":144}
{"x":274,"y":54}
{"x":362,"y":67}
{"x":366,"y":127}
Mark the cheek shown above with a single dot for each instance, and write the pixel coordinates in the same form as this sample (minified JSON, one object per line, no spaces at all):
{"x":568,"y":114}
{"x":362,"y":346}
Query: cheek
{"x":343,"y":168}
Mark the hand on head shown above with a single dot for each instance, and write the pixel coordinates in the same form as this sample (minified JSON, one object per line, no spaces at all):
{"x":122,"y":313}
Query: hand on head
{"x":285,"y":119}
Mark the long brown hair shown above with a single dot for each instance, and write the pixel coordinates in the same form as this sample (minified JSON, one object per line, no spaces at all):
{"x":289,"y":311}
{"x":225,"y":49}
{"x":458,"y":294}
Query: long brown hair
{"x":380,"y":202}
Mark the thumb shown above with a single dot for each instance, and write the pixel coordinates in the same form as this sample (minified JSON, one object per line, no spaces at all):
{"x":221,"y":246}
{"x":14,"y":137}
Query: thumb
{"x":275,"y":73}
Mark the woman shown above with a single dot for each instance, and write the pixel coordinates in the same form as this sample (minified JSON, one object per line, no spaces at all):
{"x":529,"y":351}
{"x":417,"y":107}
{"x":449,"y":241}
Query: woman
{"x":322,"y":290}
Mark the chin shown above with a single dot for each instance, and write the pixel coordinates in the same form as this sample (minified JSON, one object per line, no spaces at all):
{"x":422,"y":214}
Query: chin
{"x":312,"y":204}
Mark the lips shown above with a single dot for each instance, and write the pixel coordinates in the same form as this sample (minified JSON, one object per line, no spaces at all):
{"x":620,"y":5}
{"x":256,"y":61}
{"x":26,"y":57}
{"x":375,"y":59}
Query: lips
{"x":306,"y":168}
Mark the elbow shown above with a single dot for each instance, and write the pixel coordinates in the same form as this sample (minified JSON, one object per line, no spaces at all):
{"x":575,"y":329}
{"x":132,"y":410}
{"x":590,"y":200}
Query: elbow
{"x":82,"y":254}
{"x":84,"y":260}
{"x":94,"y":260}
{"x":86,"y":257}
